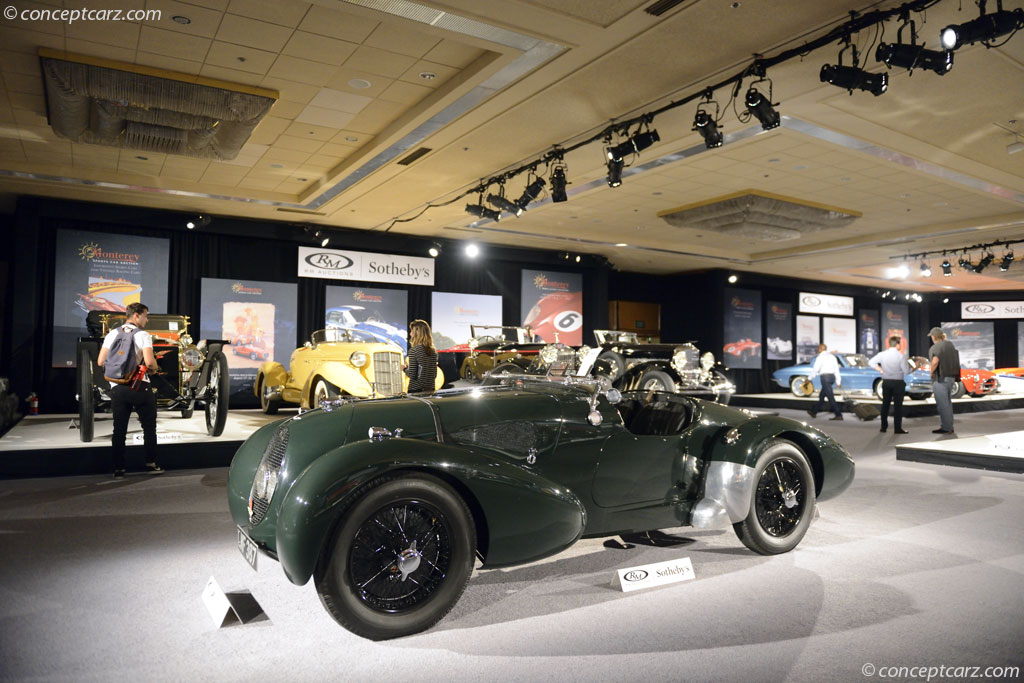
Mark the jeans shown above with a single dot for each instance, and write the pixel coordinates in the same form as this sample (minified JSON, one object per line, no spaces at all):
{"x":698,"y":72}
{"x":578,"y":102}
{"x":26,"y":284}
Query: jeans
{"x":826,"y":391}
{"x":942,"y":390}
{"x":893,"y":391}
{"x":122,"y":401}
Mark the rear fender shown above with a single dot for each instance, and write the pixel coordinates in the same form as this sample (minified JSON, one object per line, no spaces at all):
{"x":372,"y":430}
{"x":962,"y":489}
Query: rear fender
{"x":520,"y":517}
{"x":273,"y":374}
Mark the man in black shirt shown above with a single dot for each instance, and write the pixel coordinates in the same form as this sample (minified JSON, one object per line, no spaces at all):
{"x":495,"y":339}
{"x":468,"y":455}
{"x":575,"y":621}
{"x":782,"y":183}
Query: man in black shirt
{"x":945,"y":366}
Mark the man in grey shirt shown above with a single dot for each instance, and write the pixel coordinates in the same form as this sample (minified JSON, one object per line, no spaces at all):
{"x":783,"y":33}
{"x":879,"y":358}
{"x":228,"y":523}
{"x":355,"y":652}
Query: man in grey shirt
{"x":894,"y":366}
{"x":945,"y":365}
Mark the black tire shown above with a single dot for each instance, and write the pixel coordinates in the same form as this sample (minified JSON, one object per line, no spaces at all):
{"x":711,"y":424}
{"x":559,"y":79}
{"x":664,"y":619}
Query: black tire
{"x":367,"y":544}
{"x":86,"y":396}
{"x":796,"y":385}
{"x":782,"y":476}
{"x":217,"y":392}
{"x":878,"y":389}
{"x":958,"y":390}
{"x":657,"y":380}
{"x":615,"y":362}
{"x":469,"y":374}
{"x":267,"y":404}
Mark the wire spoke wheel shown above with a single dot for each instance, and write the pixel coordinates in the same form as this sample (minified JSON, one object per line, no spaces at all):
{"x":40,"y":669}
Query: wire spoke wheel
{"x":779,"y":499}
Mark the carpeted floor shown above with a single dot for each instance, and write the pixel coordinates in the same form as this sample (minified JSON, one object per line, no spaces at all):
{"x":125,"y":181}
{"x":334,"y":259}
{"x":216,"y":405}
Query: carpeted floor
{"x":914,"y":566}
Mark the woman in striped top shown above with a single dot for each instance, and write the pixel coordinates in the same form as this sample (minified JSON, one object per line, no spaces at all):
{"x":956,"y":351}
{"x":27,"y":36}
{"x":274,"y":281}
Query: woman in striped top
{"x":422,"y":360}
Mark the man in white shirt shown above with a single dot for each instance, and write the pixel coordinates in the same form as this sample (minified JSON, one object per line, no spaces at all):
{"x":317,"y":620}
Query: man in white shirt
{"x":894,"y":366}
{"x":827,"y":367}
{"x":123,"y":398}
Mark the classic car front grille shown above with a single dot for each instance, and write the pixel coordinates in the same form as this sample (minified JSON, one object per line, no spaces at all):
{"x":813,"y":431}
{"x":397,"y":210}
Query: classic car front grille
{"x":387,"y":373}
{"x":273,"y":456}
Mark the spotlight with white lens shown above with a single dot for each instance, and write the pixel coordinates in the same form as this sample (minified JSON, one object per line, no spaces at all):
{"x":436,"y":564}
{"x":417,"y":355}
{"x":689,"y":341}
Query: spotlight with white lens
{"x":1007,"y":260}
{"x":504,"y":204}
{"x":985,"y":28}
{"x":483,"y":212}
{"x":615,"y":172}
{"x":926,"y":270}
{"x":708,"y":129}
{"x":759,"y":106}
{"x":914,"y":57}
{"x":634,"y":145}
{"x":558,"y":183}
{"x":472,"y":251}
{"x":947,"y":269}
{"x":854,"y":78}
{"x":530,"y":193}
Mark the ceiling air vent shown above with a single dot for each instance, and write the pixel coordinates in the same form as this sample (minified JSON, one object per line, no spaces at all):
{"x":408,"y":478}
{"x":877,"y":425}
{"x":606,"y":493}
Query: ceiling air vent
{"x":414,"y":156}
{"x":661,"y":6}
{"x":102,"y":102}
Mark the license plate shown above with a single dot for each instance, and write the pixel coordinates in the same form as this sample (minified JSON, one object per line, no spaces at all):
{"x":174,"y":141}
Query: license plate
{"x":247,"y":547}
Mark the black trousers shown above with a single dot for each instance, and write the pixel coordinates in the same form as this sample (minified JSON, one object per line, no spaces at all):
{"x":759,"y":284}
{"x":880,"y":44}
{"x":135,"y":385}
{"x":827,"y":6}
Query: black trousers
{"x":827,"y":381}
{"x":123,"y":400}
{"x":893,"y":391}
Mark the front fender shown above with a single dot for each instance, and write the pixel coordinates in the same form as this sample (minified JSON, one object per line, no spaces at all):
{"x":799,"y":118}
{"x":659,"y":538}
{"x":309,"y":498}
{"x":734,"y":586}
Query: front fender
{"x":342,"y":375}
{"x":520,"y":516}
{"x":273,"y":374}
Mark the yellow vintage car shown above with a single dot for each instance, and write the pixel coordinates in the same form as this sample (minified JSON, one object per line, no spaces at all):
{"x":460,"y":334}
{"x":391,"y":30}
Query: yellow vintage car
{"x":335,"y":362}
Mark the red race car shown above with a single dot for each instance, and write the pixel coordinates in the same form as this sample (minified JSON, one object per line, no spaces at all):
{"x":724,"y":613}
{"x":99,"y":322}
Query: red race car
{"x":560,"y":312}
{"x":742,"y":348}
{"x":975,"y":382}
{"x":255,"y":349}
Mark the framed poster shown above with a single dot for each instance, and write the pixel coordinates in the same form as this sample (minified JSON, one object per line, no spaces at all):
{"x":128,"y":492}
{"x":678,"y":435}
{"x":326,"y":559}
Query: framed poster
{"x":552,"y":305}
{"x":453,"y":313}
{"x":779,"y":330}
{"x":895,"y":322}
{"x":808,"y":336}
{"x":380,"y":314}
{"x":1020,"y":345}
{"x":742,"y":328}
{"x":976,"y":343}
{"x":840,"y":334}
{"x":98,"y":271}
{"x":868,"y":341}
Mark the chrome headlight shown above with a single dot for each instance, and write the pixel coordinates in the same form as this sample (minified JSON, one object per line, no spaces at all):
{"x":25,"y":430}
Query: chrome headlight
{"x":191,"y":358}
{"x":581,"y":353}
{"x":185,"y":339}
{"x":549,"y":354}
{"x":267,"y":475}
{"x":707,"y":361}
{"x":358,"y":359}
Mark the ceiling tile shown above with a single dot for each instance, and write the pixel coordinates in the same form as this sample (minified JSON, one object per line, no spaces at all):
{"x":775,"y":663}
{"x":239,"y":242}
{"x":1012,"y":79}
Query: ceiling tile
{"x":337,"y":24}
{"x":36,"y":103}
{"x":253,"y":33}
{"x":319,"y":48}
{"x":342,"y":101}
{"x":239,"y":57}
{"x":334,"y":149}
{"x":344,"y":77}
{"x":121,"y":33}
{"x":302,"y":70}
{"x":220,"y":5}
{"x":168,"y":63}
{"x":441,"y":73}
{"x":24,"y":40}
{"x":320,"y":116}
{"x":18,"y":24}
{"x":258,"y":184}
{"x":380,"y":62}
{"x":351,"y":138}
{"x":268,"y":130}
{"x":181,"y":173}
{"x":276,"y":153}
{"x":86,"y":47}
{"x":376,"y":117}
{"x":321,"y":162}
{"x":311,"y":132}
{"x":171,"y":44}
{"x":230,"y":75}
{"x":20,"y":63}
{"x":406,"y":93}
{"x":285,"y":109}
{"x":402,"y":39}
{"x":24,"y":117}
{"x":203,"y":22}
{"x":308,"y":145}
{"x":291,"y":91}
{"x":25,"y":84}
{"x":288,"y":13}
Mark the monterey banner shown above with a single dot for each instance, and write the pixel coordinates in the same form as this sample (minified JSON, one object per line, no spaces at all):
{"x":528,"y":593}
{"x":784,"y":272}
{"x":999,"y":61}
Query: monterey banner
{"x":334,"y":264}
{"x":102,"y":272}
{"x":454,"y":313}
{"x":373,"y":315}
{"x":868,"y":342}
{"x":808,"y":336}
{"x":779,"y":329}
{"x":552,"y":304}
{"x":742,"y":328}
{"x":896,"y":322}
{"x":976,"y":343}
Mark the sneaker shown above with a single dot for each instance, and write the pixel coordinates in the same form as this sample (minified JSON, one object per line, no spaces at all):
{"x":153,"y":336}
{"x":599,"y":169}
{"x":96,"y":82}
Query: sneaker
{"x":885,"y":428}
{"x":153,"y":468}
{"x":942,"y":431}
{"x":836,"y":417}
{"x":118,"y":473}
{"x":812,"y":413}
{"x":900,"y":431}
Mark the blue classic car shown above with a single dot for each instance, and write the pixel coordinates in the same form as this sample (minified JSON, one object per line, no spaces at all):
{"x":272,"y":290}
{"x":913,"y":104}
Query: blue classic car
{"x":359,"y":318}
{"x":856,"y":376}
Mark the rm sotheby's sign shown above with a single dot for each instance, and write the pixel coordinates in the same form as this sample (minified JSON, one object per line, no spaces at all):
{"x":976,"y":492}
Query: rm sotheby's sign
{"x":657,"y":574}
{"x":335,"y":264}
{"x":973,"y":310}
{"x":826,"y":303}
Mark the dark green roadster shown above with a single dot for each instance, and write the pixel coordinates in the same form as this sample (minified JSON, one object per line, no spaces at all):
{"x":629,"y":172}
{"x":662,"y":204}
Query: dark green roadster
{"x":387,"y":503}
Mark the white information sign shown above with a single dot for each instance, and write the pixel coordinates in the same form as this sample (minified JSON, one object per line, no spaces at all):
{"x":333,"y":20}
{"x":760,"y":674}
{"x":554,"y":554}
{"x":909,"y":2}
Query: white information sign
{"x":217,"y":604}
{"x":974,"y":310}
{"x":335,"y":264}
{"x":826,"y":303}
{"x":650,"y":575}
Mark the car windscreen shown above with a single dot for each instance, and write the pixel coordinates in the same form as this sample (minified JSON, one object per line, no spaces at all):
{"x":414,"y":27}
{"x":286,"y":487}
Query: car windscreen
{"x":855,"y":360}
{"x":341,"y":334}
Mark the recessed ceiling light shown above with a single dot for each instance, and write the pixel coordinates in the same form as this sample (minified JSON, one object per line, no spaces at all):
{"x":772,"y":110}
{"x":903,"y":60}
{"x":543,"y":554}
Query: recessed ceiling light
{"x":181,"y":19}
{"x":773,"y":161}
{"x":302,"y":180}
{"x":428,"y":75}
{"x":241,"y":59}
{"x":359,"y":83}
{"x":142,"y":158}
{"x":846,"y":178}
{"x":351,"y":138}
{"x":800,"y":167}
{"x":656,"y":194}
{"x":277,"y":166}
{"x":622,"y":244}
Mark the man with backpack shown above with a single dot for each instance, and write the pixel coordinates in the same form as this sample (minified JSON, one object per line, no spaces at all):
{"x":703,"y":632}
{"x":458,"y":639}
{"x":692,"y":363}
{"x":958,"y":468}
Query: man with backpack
{"x":126,"y":354}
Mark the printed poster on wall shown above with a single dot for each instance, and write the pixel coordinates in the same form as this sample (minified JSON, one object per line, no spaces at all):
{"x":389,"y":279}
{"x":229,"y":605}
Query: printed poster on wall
{"x":453,"y":313}
{"x":839,"y":334}
{"x":258,"y":319}
{"x":779,"y":330}
{"x":378,"y":315}
{"x":1020,"y":345}
{"x":97,"y":271}
{"x":976,"y":343}
{"x":896,"y":322}
{"x":742,"y":328}
{"x":552,"y":303}
{"x":868,"y":342}
{"x":808,"y":336}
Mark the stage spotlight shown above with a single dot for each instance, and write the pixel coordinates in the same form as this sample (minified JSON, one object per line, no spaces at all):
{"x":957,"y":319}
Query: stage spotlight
{"x":435,"y":249}
{"x":914,"y":57}
{"x":322,"y":237}
{"x":706,"y":126}
{"x":985,"y":262}
{"x":190,"y":225}
{"x":733,"y":279}
{"x":634,"y":145}
{"x":854,"y":78}
{"x":472,"y":251}
{"x":985,"y":28}
{"x":926,"y":270}
{"x":947,"y":269}
{"x":483,"y":212}
{"x":760,"y":107}
{"x":615,"y":172}
{"x":578,"y":258}
{"x":1007,"y":260}
{"x":558,"y":183}
{"x":504,"y":204}
{"x":530,"y":193}
{"x":200,"y":221}
{"x":901,"y":271}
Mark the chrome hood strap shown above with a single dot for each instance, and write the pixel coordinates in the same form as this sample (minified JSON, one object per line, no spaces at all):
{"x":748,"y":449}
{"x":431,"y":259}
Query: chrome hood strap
{"x":433,"y":411}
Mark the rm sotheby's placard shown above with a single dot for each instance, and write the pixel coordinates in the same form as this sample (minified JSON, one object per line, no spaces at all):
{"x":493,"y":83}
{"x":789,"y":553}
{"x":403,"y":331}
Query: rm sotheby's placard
{"x":361,"y":265}
{"x":826,"y":303}
{"x":657,"y":574}
{"x":972,"y":310}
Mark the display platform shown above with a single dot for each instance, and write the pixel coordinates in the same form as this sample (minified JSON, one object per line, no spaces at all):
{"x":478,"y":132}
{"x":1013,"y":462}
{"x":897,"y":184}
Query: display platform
{"x":911,"y":408}
{"x":1000,"y":452}
{"x":42,"y":445}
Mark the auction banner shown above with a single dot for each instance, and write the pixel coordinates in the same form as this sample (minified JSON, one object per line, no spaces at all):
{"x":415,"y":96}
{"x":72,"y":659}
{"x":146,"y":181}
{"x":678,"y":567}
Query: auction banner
{"x":98,"y":271}
{"x":826,"y":303}
{"x":335,"y":264}
{"x":258,"y":319}
{"x":552,"y":304}
{"x":840,"y":334}
{"x":976,"y":343}
{"x":380,"y":314}
{"x":1020,"y":345}
{"x":808,"y":336}
{"x":453,"y":313}
{"x":742,"y":328}
{"x":973,"y":310}
{"x":896,"y":322}
{"x":868,"y":342}
{"x":779,"y":330}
